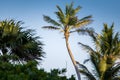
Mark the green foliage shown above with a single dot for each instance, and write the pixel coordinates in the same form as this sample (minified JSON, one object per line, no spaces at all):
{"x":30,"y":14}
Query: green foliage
{"x":16,"y":41}
{"x":29,"y":71}
{"x":67,"y":19}
{"x":105,"y":54}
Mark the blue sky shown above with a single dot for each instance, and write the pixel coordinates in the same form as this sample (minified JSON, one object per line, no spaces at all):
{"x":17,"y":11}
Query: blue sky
{"x":31,"y":12}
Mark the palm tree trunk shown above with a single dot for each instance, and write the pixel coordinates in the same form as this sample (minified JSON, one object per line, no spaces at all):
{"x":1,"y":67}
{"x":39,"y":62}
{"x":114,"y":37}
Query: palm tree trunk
{"x":71,"y":56}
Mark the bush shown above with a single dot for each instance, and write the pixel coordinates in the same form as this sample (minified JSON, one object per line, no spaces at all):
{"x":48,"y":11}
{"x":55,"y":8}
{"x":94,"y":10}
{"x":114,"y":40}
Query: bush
{"x":29,"y":71}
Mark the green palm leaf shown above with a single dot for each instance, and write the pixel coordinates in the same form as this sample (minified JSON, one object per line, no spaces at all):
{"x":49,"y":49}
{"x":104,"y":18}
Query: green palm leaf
{"x":77,"y":10}
{"x":88,"y":48}
{"x":112,"y":72}
{"x":49,"y":20}
{"x":83,"y":69}
{"x":86,"y":18}
{"x":50,"y":27}
{"x":60,"y":10}
{"x":82,"y":23}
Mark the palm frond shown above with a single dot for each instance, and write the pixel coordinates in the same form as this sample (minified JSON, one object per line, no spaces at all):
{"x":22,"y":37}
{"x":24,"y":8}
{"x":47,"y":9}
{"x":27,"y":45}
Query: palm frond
{"x":116,"y":68}
{"x":83,"y":23}
{"x":60,"y":10}
{"x":112,"y":71}
{"x":92,"y":52}
{"x":77,"y":9}
{"x":83,"y":70}
{"x":116,"y":38}
{"x":116,"y":44}
{"x":86,"y":60}
{"x":70,"y":9}
{"x":60,"y":17}
{"x":66,"y":9}
{"x":49,"y":20}
{"x":88,"y":31}
{"x":86,"y":18}
{"x":87,"y":48}
{"x":94,"y":56}
{"x":51,"y":28}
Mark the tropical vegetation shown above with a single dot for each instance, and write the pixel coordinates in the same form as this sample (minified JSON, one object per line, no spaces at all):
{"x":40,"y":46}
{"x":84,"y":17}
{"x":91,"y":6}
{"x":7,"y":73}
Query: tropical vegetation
{"x":29,"y":71}
{"x":16,"y":42}
{"x":67,"y":23}
{"x":21,"y":51}
{"x":104,"y":56}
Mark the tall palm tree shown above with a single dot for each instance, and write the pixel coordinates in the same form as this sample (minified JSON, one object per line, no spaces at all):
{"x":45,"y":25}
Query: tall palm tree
{"x":105,"y":54}
{"x":18,"y":42}
{"x":68,"y":21}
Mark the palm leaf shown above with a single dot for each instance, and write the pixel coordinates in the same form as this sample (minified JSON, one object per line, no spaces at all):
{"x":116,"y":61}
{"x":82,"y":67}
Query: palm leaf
{"x":83,"y":69}
{"x":60,"y":10}
{"x":86,"y":18}
{"x":116,"y":68}
{"x":70,"y":9}
{"x":112,"y":71}
{"x":51,"y":28}
{"x":77,"y":9}
{"x":49,"y":20}
{"x":116,"y":44}
{"x":94,"y":56}
{"x":88,"y":48}
{"x":60,"y":17}
{"x":82,"y":23}
{"x":66,"y":9}
{"x":87,"y":31}
{"x":86,"y":60}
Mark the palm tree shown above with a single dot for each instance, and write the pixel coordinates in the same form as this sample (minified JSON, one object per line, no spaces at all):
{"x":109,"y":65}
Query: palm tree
{"x":68,"y":21}
{"x":14,"y":41}
{"x":105,"y":54}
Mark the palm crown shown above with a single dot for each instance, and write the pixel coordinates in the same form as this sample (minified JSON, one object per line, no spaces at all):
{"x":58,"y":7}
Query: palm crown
{"x":67,"y":20}
{"x":21,"y":43}
{"x":106,"y":52}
